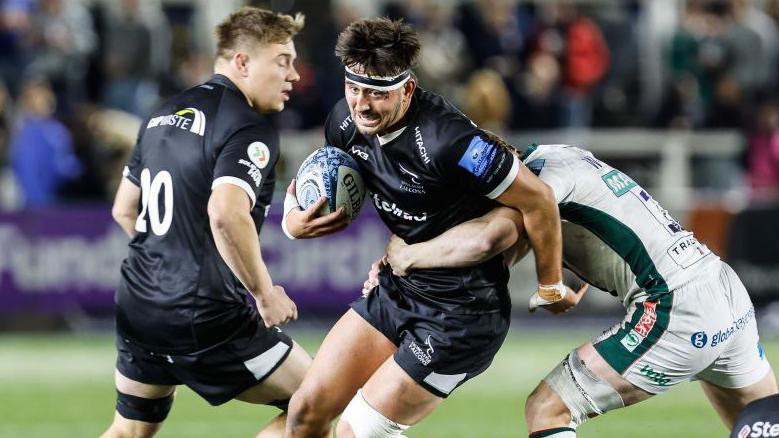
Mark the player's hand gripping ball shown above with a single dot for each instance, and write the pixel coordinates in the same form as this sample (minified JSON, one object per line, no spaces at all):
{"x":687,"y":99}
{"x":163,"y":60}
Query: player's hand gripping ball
{"x":330,"y":172}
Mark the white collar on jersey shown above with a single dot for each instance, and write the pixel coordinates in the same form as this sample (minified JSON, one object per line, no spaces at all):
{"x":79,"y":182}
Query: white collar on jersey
{"x":384,"y":139}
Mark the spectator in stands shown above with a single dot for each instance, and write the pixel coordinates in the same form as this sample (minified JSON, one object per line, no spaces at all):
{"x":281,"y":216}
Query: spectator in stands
{"x":487,"y":102}
{"x":578,"y":45}
{"x":41,"y":152}
{"x":15,"y":27}
{"x":128,"y":66}
{"x":763,"y":154}
{"x":62,"y":39}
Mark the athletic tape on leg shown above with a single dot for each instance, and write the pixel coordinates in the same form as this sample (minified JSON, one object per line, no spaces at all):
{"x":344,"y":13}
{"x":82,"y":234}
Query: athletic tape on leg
{"x":143,"y":409}
{"x":367,"y":422}
{"x":581,"y":390}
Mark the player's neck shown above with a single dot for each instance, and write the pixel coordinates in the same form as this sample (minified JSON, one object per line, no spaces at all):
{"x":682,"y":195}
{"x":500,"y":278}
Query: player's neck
{"x":221,"y":69}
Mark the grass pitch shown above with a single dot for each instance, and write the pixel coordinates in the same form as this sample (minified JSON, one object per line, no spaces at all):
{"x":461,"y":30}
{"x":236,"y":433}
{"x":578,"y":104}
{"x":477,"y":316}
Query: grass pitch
{"x":62,"y":386}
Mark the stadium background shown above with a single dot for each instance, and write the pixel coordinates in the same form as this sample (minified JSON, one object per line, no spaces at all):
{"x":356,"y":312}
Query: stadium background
{"x":682,"y":95}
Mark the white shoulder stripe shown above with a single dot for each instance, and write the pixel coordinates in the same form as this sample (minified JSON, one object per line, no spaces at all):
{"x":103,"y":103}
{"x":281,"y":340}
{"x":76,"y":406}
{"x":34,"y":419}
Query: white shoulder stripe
{"x":236,"y":182}
{"x":497,"y":191}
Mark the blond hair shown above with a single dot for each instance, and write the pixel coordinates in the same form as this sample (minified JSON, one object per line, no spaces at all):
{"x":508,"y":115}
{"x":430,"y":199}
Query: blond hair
{"x":250,"y":25}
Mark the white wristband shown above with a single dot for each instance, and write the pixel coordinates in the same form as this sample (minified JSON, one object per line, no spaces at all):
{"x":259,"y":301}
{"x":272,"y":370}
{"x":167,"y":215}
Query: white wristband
{"x":290,"y":203}
{"x":547,"y":294}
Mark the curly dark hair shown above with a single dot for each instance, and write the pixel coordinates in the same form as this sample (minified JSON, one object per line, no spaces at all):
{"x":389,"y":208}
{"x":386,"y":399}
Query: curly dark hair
{"x":380,"y":46}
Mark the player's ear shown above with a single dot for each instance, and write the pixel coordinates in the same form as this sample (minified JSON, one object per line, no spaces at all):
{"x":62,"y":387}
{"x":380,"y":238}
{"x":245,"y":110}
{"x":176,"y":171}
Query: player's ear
{"x":240,"y":61}
{"x":409,"y":87}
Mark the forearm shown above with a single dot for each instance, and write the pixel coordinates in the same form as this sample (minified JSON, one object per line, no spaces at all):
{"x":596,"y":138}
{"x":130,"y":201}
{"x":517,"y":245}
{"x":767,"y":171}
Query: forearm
{"x":541,"y":220}
{"x":544,"y":233}
{"x":237,"y":242}
{"x":467,"y":244}
{"x":127,"y":223}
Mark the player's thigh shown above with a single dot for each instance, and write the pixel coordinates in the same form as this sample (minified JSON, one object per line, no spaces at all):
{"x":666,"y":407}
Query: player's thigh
{"x":393,"y":393}
{"x":729,"y":402}
{"x":349,"y":355}
{"x":129,"y":386}
{"x":283,"y":382}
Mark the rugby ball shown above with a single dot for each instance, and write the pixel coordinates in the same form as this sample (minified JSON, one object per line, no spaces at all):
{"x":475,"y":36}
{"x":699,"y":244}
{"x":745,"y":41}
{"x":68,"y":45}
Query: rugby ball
{"x":330,"y":172}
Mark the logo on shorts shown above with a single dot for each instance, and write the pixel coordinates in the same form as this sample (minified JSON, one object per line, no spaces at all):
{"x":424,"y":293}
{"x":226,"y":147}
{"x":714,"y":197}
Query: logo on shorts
{"x":424,"y":356}
{"x":699,"y":339}
{"x":655,"y":376}
{"x":760,"y":351}
{"x":645,"y":324}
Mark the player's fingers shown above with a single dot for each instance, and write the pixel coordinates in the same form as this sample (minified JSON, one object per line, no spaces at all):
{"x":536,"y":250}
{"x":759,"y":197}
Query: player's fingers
{"x":336,"y":217}
{"x":291,"y":187}
{"x":294,"y":312}
{"x":312,"y":209}
{"x":583,"y":289}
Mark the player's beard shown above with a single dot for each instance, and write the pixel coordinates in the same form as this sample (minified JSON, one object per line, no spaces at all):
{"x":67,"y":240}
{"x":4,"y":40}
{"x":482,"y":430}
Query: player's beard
{"x":393,"y":118}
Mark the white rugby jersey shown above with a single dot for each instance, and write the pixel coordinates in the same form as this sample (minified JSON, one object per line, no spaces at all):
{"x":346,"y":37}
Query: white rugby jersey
{"x":615,"y":235}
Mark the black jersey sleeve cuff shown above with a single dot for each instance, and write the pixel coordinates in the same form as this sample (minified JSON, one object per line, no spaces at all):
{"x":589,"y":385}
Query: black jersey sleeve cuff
{"x":507,"y":180}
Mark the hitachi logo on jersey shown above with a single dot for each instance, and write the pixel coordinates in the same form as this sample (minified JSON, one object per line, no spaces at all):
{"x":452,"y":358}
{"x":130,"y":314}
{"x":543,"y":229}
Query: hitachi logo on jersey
{"x":421,"y":145}
{"x":345,"y":124}
{"x":393,"y":208}
{"x":191,"y":119}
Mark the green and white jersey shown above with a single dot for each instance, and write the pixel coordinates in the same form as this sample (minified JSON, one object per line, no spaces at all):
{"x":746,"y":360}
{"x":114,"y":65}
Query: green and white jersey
{"x":615,"y":235}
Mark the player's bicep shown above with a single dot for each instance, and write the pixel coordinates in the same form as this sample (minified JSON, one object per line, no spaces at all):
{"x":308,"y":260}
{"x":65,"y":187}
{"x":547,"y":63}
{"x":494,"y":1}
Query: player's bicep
{"x":227,"y":200}
{"x":525,"y":191}
{"x":126,"y":201}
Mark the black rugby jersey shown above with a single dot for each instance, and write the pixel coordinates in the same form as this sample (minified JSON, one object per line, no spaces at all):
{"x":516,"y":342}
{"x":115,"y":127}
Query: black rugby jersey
{"x":442,"y":170}
{"x":176,"y":293}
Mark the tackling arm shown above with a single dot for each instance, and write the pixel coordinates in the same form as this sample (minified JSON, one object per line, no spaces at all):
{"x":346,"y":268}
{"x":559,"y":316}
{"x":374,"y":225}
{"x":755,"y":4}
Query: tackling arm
{"x":467,"y":244}
{"x":536,"y":200}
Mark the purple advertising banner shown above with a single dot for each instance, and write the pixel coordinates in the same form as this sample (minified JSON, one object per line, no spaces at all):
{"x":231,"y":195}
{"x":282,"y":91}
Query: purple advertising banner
{"x":65,"y":260}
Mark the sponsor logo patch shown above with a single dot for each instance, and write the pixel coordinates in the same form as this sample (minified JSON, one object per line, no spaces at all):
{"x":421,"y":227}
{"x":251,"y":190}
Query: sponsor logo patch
{"x":723,"y":335}
{"x":360,"y":153}
{"x":421,"y":145}
{"x":764,"y":429}
{"x":656,"y":376}
{"x":699,"y":339}
{"x":478,"y":157}
{"x":382,"y":205}
{"x":618,"y":182}
{"x":638,"y":333}
{"x":188,"y":119}
{"x":259,"y":154}
{"x":413,"y":186}
{"x":253,"y":172}
{"x":423,"y":355}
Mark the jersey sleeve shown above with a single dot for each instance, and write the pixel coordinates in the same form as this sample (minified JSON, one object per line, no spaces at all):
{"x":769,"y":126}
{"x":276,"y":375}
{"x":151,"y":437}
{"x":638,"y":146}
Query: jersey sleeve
{"x":246,"y":160}
{"x":339,"y":127}
{"x":481,"y":162}
{"x":132,"y":169}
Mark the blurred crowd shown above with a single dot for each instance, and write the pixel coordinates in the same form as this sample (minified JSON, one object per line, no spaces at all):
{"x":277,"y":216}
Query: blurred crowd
{"x":77,"y":77}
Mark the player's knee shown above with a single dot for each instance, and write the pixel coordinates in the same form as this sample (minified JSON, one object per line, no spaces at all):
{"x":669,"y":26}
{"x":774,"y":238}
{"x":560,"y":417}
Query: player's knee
{"x":366,"y":422}
{"x":147,"y":410}
{"x":544,"y":405}
{"x":306,"y":414}
{"x":582,"y":393}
